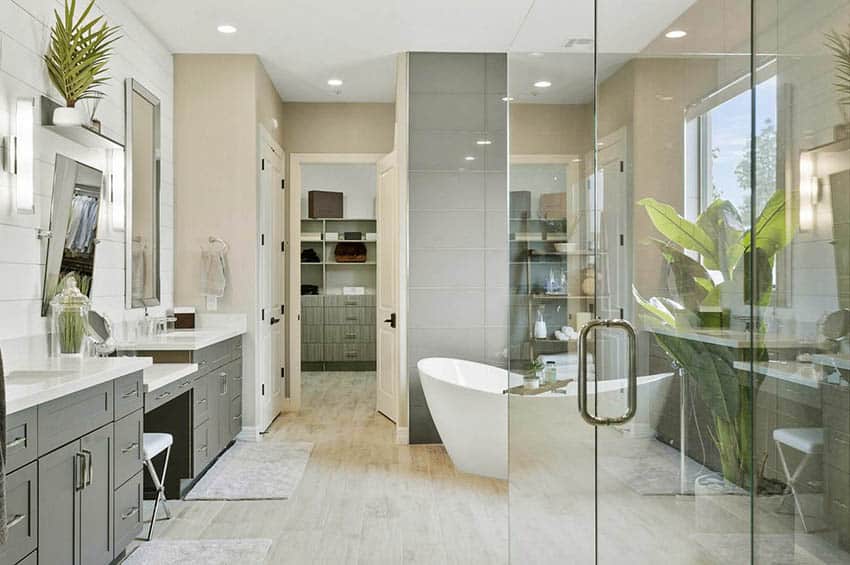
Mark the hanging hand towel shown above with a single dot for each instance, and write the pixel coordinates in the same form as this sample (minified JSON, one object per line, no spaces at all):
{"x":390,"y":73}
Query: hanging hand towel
{"x":213,"y":278}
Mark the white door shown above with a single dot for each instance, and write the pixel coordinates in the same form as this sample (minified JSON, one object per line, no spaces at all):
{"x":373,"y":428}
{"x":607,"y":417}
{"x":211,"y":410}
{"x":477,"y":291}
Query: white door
{"x":387,"y":287}
{"x":269,"y":329}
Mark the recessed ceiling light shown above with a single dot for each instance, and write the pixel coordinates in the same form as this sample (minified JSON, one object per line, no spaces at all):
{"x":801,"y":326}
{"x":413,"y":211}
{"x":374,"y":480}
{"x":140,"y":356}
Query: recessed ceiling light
{"x":542,"y":84}
{"x":507,"y":99}
{"x":484,"y":142}
{"x":676,"y":34}
{"x":226,"y":28}
{"x":335,"y":82}
{"x":469,"y":158}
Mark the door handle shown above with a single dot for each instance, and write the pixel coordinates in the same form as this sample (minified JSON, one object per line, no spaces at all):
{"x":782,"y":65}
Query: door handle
{"x":89,"y":475}
{"x":391,"y":320}
{"x":79,"y":471}
{"x":274,"y":320}
{"x":592,"y":419}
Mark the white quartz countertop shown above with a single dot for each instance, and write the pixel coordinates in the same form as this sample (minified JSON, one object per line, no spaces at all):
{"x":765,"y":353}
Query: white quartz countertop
{"x":179,"y":340}
{"x":159,"y":375}
{"x":804,"y":374}
{"x":48,"y":378}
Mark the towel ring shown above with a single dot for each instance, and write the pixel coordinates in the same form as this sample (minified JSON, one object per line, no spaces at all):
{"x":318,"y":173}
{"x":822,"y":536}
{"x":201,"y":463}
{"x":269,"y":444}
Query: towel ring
{"x":218,"y":241}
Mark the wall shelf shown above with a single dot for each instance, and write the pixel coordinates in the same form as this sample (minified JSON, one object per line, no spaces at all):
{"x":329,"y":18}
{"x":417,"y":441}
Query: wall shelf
{"x":83,"y":135}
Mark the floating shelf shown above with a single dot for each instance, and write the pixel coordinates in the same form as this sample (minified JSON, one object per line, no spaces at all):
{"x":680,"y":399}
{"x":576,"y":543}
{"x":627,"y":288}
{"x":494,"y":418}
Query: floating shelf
{"x":83,"y":135}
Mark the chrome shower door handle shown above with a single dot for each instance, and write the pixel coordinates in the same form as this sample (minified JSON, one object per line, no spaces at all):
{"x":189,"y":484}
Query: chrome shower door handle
{"x":593,"y":419}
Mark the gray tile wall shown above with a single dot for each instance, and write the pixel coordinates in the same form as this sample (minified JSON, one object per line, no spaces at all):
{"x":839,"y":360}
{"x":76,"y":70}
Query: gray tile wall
{"x":458,"y":278}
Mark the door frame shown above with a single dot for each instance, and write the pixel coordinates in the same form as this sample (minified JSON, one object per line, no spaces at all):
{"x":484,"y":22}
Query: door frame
{"x":387,"y":163}
{"x":292,"y":396}
{"x":265,"y":141}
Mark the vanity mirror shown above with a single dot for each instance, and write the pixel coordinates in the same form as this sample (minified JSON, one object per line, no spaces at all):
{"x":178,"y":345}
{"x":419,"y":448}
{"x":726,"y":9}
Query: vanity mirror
{"x":73,"y":227}
{"x":142,"y":168}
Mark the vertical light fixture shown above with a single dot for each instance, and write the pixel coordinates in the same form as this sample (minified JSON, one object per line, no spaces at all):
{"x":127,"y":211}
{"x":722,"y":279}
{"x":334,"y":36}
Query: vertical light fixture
{"x":117,"y":188}
{"x":21,"y":155}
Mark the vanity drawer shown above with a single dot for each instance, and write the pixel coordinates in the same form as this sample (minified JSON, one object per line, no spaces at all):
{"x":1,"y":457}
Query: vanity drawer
{"x":312,"y":352}
{"x":350,"y":352}
{"x":127,"y":520}
{"x":21,"y":434}
{"x":311,"y":301}
{"x":343,"y":300}
{"x":234,"y":379}
{"x":838,"y":450}
{"x":201,"y":401}
{"x":212,"y":357}
{"x":70,"y":417}
{"x":200,"y":448}
{"x":311,"y":333}
{"x":350,"y":334}
{"x":160,"y":396}
{"x":21,"y":514}
{"x":349,"y":315}
{"x":312,"y":316}
{"x":129,"y":394}
{"x":236,"y":348}
{"x":128,"y":446}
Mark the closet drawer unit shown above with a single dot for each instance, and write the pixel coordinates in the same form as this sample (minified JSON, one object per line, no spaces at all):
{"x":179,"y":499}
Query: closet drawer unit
{"x":200,"y":448}
{"x":312,"y":316}
{"x":312,"y":352}
{"x":311,"y":333}
{"x":128,"y":446}
{"x":349,"y":315}
{"x":350,"y":352}
{"x":127,"y":520}
{"x":73,"y":416}
{"x":235,"y":416}
{"x":201,"y":401}
{"x":345,"y":300}
{"x":21,"y":514}
{"x":212,"y":357}
{"x":129,"y":394}
{"x":311,"y":301}
{"x":21,"y":443}
{"x":234,"y":379}
{"x":350,"y":334}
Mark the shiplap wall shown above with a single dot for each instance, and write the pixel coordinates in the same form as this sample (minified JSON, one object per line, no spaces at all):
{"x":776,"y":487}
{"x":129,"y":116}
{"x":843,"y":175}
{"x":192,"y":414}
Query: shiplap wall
{"x":24,"y":35}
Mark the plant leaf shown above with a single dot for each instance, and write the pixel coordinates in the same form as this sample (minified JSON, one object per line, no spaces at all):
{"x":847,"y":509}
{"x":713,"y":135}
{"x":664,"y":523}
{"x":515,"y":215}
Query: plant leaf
{"x":722,"y":223}
{"x":691,"y":278}
{"x":680,"y":231}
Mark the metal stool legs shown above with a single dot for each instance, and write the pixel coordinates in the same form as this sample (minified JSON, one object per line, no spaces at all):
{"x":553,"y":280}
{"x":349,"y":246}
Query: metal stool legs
{"x":160,"y":490}
{"x":792,"y":479}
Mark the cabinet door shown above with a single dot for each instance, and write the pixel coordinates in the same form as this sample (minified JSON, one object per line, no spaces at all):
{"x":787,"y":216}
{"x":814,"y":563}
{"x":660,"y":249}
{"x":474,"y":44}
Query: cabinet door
{"x":224,"y":408}
{"x":213,"y":386}
{"x":60,"y":479}
{"x":96,"y":498}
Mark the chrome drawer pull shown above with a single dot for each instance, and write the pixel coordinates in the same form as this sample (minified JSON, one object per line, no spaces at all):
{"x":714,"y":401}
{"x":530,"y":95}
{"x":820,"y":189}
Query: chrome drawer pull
{"x":17,"y":519}
{"x":201,"y":449}
{"x":202,"y":401}
{"x":130,"y":447}
{"x":130,"y":512}
{"x":134,"y":392}
{"x":222,"y":374}
{"x":236,"y":418}
{"x":16,"y":442}
{"x":163,"y":395}
{"x":351,"y":303}
{"x":237,"y":378}
{"x":350,"y":336}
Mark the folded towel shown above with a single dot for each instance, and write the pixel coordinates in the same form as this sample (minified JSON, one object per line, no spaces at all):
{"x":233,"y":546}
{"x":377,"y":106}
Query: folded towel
{"x":2,"y":453}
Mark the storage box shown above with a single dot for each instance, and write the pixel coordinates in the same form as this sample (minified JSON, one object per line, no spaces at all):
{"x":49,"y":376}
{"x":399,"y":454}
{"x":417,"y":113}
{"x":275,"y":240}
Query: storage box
{"x":520,"y":204}
{"x":553,"y":206}
{"x":324,"y":204}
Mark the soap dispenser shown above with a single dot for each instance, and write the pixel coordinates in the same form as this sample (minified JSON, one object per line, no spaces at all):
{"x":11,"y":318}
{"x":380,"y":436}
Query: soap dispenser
{"x":540,"y":331}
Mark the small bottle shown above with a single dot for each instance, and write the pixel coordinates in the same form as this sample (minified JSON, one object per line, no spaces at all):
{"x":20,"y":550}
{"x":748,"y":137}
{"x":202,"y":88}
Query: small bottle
{"x":550,"y":372}
{"x":540,"y":331}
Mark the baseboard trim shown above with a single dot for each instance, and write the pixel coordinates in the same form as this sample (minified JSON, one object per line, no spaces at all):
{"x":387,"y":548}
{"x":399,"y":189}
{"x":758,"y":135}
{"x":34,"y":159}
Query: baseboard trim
{"x":402,"y":435}
{"x":249,"y":434}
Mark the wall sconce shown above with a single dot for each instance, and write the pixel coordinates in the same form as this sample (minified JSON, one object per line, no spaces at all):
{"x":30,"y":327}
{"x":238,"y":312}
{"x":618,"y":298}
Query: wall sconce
{"x":117,"y":189}
{"x":20,"y":155}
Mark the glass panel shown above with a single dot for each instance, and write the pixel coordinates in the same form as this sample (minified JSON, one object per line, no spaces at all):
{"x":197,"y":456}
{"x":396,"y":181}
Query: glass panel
{"x":802,"y":172}
{"x":551,"y":454}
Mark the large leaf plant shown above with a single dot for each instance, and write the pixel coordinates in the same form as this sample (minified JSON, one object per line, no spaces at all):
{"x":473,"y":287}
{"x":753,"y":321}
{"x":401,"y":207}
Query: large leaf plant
{"x":719,"y":241}
{"x":79,"y":52}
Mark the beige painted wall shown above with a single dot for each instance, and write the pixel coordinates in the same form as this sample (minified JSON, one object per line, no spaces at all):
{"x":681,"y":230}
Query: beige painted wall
{"x":551,"y":129}
{"x":338,"y":128}
{"x":219,"y":101}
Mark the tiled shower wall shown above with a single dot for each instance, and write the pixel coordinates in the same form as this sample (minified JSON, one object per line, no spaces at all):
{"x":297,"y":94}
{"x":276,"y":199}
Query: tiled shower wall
{"x":24,"y":35}
{"x":458,"y":278}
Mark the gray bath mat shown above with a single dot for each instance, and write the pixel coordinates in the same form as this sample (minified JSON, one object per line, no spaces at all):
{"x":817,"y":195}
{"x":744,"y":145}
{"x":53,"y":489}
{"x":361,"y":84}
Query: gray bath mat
{"x":254,"y":471}
{"x":201,"y":552}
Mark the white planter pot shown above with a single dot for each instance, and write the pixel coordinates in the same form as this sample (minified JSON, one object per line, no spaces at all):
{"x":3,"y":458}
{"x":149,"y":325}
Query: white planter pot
{"x":67,"y":117}
{"x":531,"y":383}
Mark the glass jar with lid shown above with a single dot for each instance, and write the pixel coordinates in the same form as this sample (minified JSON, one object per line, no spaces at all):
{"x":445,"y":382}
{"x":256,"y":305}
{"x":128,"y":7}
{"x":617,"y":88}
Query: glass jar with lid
{"x":69,"y":311}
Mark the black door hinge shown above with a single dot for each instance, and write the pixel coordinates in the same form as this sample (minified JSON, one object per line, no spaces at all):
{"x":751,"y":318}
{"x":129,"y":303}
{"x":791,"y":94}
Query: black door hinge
{"x":622,"y":166}
{"x":262,"y":314}
{"x":263,"y":389}
{"x":282,"y":309}
{"x":262,"y":239}
{"x":621,"y":313}
{"x":282,"y":373}
{"x":622,"y":240}
{"x":283,"y":247}
{"x":282,"y":184}
{"x":262,"y":164}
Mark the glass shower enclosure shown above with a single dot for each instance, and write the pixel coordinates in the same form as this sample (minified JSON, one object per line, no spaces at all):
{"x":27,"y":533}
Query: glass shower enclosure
{"x":679,"y":258}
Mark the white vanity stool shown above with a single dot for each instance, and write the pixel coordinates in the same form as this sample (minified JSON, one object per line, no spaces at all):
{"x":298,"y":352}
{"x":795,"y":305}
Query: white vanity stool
{"x":154,"y":444}
{"x":808,"y":441}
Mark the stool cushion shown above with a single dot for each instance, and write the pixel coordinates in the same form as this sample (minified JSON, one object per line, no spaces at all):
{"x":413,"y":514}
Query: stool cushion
{"x":154,"y":444}
{"x":807,"y":440}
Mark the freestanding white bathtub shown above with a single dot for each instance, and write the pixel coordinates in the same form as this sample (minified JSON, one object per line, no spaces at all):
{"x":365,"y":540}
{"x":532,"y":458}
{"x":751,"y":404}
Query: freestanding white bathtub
{"x":470,"y":409}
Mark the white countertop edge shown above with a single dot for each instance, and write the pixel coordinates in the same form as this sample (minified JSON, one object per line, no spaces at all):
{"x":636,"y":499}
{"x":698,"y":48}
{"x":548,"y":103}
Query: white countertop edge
{"x":179,"y":340}
{"x":91,"y":372}
{"x":788,"y":371}
{"x":159,"y":375}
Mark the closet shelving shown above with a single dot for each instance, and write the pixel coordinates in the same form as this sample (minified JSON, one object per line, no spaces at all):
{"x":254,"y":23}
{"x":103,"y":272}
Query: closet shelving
{"x":329,"y":274}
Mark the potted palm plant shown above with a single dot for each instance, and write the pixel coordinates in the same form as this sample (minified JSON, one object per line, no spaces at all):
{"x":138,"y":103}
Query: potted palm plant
{"x":531,"y":380}
{"x":77,"y":57}
{"x":839,"y":45}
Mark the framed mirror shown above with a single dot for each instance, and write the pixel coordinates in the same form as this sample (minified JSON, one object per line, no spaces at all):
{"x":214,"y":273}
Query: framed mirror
{"x":142,"y":167}
{"x":74,"y":213}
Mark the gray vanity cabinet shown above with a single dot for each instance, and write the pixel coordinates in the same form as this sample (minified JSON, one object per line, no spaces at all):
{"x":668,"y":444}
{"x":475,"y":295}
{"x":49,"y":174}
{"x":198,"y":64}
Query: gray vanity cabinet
{"x":75,"y":501}
{"x":21,"y":514}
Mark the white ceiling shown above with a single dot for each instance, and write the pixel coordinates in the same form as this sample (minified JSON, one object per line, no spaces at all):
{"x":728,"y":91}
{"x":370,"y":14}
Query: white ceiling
{"x":303,"y":43}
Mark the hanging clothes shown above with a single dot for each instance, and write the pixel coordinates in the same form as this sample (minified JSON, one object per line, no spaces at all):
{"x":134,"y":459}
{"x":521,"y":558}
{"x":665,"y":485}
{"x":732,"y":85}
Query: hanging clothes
{"x":139,"y":268}
{"x":82,"y":223}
